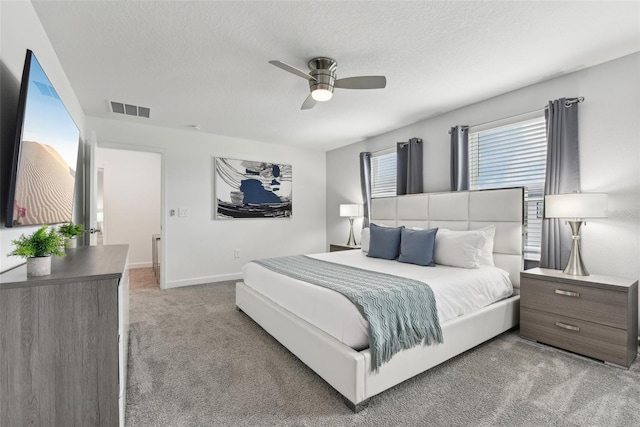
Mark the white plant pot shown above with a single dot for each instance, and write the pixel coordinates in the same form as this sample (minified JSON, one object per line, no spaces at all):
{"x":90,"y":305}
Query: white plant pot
{"x":71,"y":243}
{"x":39,"y":266}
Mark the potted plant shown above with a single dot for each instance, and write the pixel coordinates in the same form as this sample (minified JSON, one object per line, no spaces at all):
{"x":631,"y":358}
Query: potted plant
{"x":38,"y":248}
{"x":69,"y":231}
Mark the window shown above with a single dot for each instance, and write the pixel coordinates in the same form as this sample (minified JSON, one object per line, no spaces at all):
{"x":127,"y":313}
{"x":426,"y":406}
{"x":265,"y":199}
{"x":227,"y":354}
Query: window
{"x":509,"y":156}
{"x":383,"y":174}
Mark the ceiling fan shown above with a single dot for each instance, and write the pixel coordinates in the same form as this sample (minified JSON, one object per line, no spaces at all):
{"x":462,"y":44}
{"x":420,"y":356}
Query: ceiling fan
{"x":322,"y":80}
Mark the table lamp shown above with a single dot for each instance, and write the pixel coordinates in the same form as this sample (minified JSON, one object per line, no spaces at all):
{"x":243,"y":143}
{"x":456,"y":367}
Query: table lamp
{"x":351,"y":211}
{"x":576,"y":207}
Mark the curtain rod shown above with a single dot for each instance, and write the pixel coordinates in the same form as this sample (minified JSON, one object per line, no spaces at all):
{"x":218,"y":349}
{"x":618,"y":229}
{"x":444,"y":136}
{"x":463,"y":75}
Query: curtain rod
{"x":392,"y":148}
{"x":384,"y":149}
{"x":567,"y":103}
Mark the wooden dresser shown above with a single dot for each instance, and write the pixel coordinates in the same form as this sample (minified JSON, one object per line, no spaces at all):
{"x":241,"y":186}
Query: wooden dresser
{"x":595,"y":315}
{"x":64,"y":339}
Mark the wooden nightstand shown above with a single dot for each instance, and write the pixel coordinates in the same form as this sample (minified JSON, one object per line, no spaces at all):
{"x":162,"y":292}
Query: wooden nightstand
{"x":335,"y":248}
{"x":595,"y":315}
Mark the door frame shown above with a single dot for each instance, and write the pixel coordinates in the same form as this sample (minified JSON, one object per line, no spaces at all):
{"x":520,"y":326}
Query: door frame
{"x":93,"y":173}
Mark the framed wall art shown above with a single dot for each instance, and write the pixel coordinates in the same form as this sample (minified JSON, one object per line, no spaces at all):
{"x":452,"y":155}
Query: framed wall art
{"x":250,"y":189}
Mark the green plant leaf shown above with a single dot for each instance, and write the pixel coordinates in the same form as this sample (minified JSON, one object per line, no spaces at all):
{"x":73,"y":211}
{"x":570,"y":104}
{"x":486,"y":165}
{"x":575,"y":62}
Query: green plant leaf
{"x":40,"y":243}
{"x":70,"y":230}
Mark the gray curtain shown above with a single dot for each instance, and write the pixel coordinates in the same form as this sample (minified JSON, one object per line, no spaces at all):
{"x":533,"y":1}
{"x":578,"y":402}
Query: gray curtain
{"x":365,"y":185}
{"x":562,"y":176}
{"x":409,"y":169}
{"x":459,"y":158}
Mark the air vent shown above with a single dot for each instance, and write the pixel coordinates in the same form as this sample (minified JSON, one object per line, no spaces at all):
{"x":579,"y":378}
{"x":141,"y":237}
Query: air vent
{"x":129,"y":109}
{"x":144,"y":112}
{"x":117,"y":107}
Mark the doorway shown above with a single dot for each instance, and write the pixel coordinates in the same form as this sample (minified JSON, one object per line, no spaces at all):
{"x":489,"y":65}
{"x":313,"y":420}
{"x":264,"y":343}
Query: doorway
{"x":100,"y":207}
{"x":128,"y":209}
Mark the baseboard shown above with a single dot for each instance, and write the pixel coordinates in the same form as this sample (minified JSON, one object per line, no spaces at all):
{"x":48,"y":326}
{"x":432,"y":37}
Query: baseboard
{"x":134,"y":265}
{"x":201,"y":280}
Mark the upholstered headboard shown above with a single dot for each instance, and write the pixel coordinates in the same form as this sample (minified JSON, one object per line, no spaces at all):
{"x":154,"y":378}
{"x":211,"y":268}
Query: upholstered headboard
{"x":464,"y":210}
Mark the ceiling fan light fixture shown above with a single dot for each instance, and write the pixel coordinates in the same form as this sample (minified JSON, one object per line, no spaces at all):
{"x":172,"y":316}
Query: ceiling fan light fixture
{"x":322,"y":80}
{"x":321,"y":95}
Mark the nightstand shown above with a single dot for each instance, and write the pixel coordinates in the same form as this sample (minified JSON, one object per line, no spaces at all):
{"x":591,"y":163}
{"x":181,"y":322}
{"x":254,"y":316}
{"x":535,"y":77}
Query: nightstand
{"x":335,"y":248}
{"x":596,"y":316}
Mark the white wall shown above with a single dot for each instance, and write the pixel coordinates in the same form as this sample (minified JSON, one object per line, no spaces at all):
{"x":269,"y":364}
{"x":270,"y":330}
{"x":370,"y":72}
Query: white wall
{"x":199,"y":249}
{"x":20,"y":29}
{"x":131,"y":201}
{"x":609,"y":155}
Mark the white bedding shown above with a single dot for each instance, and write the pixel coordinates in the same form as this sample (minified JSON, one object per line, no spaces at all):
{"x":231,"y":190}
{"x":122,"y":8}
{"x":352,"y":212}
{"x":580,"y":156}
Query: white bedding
{"x":457,"y":291}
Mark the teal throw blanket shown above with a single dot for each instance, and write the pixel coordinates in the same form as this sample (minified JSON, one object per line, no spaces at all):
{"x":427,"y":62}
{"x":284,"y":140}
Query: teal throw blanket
{"x":401,"y":312}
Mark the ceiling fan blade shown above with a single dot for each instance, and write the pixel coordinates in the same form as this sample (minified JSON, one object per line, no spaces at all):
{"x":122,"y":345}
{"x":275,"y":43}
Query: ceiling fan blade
{"x":362,"y":82}
{"x":292,"y":70}
{"x":308,"y":103}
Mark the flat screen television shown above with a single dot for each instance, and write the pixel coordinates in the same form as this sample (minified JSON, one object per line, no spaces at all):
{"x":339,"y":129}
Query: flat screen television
{"x":45,"y":155}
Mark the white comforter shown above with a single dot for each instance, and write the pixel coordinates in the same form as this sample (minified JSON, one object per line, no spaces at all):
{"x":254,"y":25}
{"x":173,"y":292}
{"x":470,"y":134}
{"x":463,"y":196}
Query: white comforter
{"x":457,"y":291}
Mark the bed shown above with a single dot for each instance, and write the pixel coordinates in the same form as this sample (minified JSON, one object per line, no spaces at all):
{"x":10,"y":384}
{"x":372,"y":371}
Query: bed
{"x":341,"y":357}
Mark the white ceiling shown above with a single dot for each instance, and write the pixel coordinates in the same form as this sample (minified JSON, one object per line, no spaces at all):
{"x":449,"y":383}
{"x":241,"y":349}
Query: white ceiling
{"x":206,"y":63}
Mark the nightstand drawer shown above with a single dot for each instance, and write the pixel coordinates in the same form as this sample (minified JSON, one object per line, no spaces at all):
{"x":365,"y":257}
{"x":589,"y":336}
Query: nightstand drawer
{"x":602,"y":306}
{"x":593,"y":340}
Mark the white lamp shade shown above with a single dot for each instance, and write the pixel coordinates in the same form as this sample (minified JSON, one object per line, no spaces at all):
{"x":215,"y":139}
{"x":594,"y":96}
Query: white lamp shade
{"x":576,"y":205}
{"x":322,"y":95}
{"x":351,"y":210}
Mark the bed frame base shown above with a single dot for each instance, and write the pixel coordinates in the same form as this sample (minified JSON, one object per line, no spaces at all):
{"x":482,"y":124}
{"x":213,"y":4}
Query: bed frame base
{"x":349,"y":371}
{"x":355,"y":407}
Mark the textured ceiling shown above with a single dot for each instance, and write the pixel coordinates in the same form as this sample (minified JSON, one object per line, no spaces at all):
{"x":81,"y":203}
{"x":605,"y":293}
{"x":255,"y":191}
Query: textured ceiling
{"x":206,"y":63}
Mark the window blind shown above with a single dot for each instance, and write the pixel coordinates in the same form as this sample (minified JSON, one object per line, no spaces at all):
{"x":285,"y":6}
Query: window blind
{"x":383,"y":175}
{"x":509,"y":156}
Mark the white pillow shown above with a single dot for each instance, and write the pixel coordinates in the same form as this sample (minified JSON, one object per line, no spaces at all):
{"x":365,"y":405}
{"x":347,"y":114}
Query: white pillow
{"x":364,"y":240}
{"x":486,"y":251}
{"x":459,"y":249}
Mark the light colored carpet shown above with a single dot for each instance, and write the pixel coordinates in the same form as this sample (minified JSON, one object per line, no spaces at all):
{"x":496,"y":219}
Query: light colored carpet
{"x":196,"y":361}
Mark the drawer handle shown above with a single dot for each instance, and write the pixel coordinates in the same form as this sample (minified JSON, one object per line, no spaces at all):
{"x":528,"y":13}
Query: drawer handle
{"x":568,"y":293}
{"x":569,"y":327}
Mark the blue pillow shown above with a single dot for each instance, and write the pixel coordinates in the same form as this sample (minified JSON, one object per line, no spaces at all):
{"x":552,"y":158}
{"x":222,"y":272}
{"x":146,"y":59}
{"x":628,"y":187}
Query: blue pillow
{"x":417,"y":246}
{"x":384,"y":242}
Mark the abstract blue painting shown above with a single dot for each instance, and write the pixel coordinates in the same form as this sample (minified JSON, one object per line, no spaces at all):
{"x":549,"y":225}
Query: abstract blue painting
{"x":248,"y":189}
